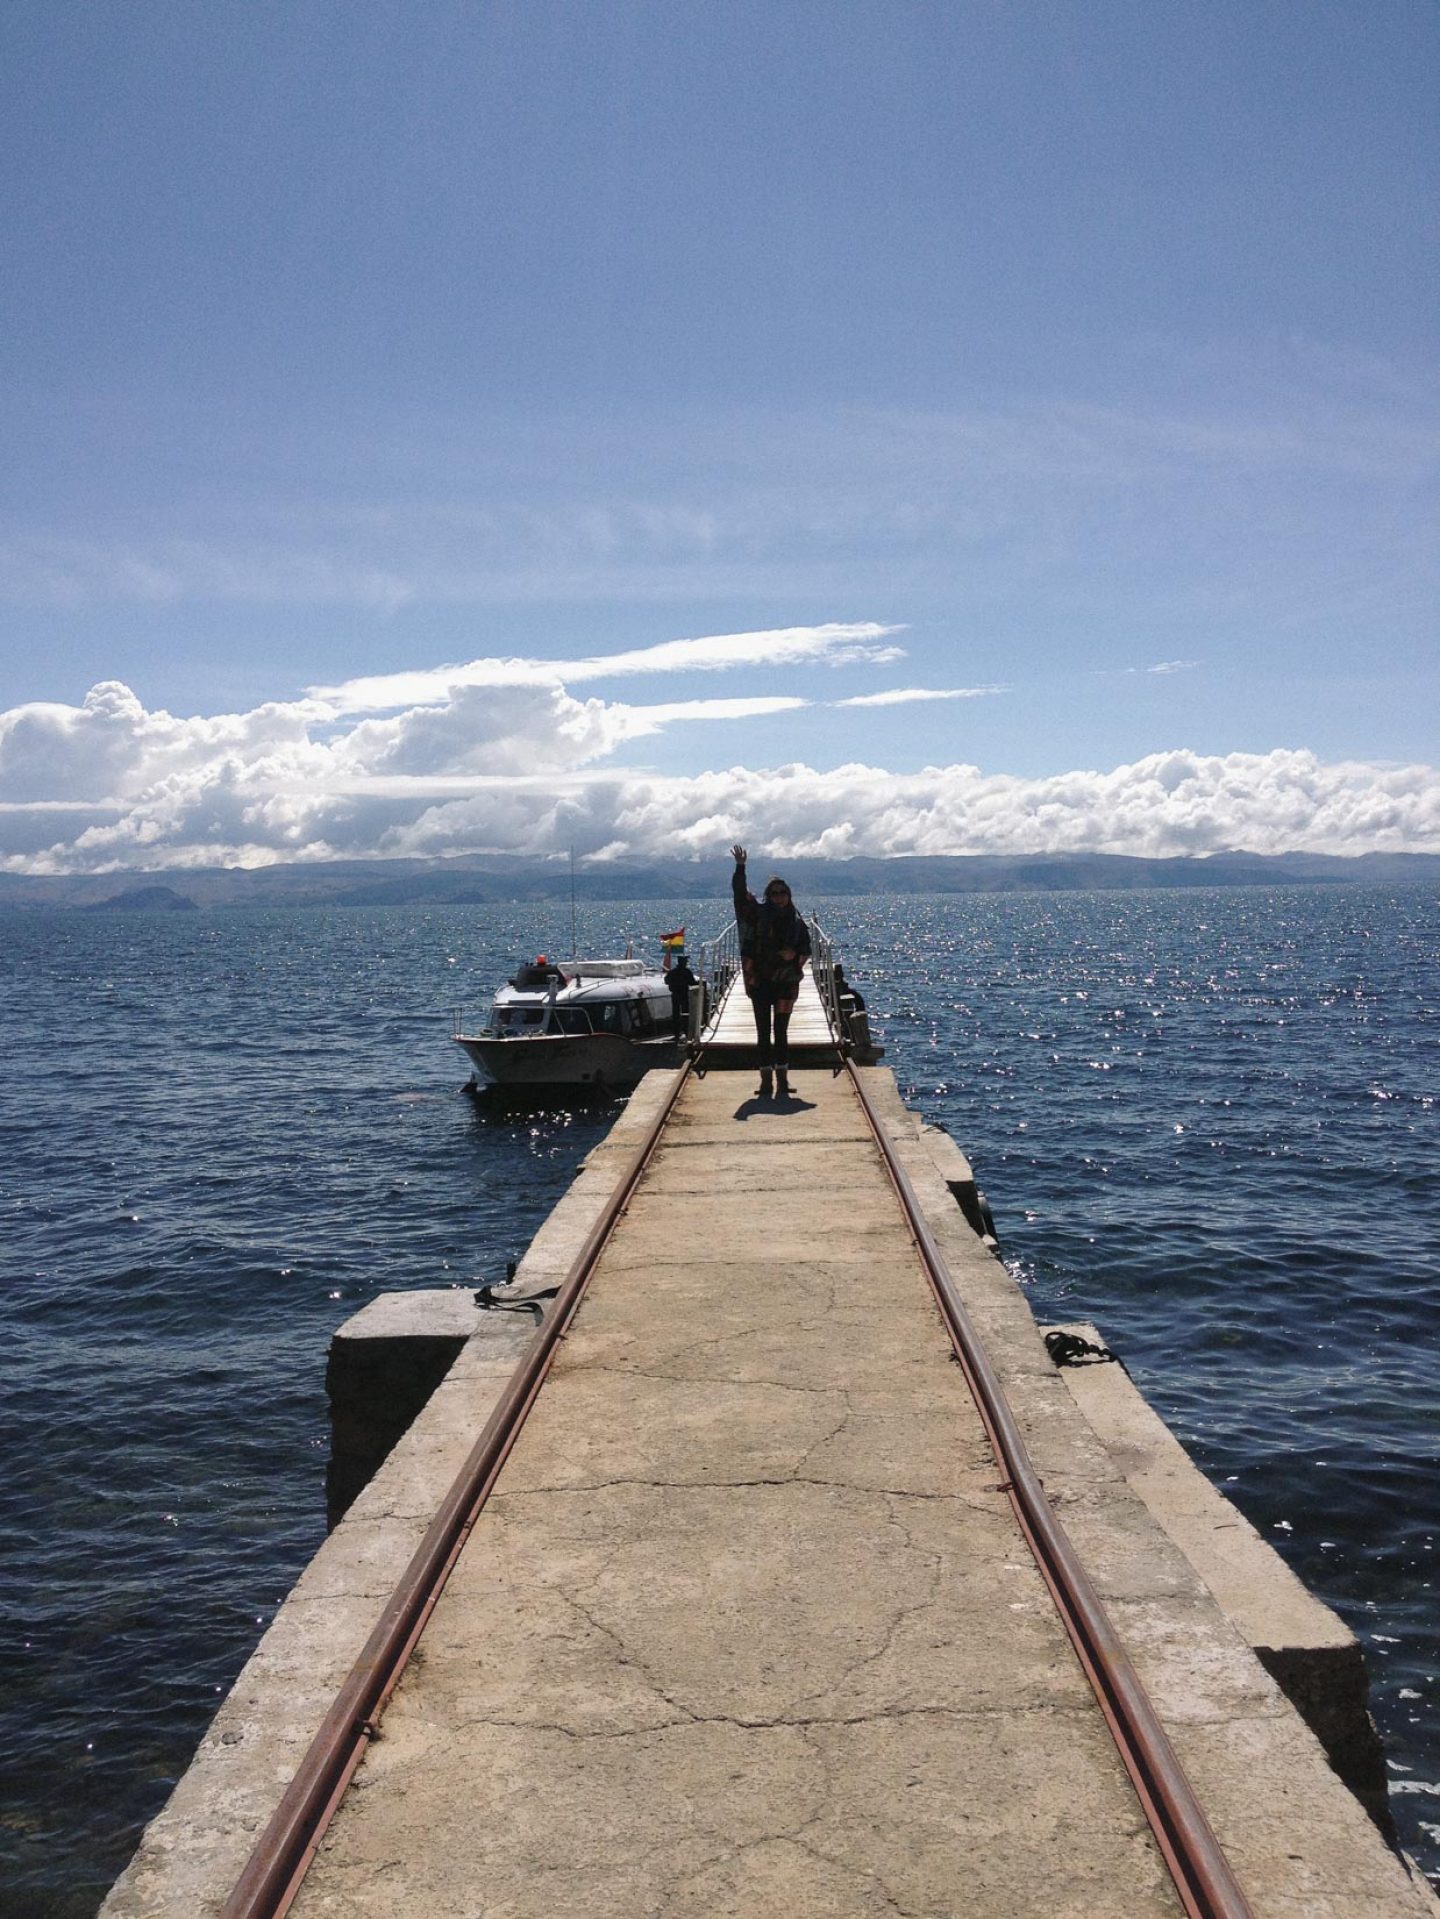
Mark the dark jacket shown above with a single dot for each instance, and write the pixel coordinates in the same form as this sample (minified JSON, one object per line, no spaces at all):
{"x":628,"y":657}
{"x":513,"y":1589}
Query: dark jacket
{"x":764,"y":931}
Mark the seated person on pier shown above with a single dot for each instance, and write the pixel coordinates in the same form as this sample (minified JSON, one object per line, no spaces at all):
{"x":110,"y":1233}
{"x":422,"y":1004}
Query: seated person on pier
{"x":846,"y":997}
{"x":845,"y":991}
{"x":774,"y":946}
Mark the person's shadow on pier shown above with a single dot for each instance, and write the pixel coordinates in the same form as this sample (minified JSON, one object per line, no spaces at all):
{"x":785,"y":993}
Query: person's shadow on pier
{"x":779,"y":1105}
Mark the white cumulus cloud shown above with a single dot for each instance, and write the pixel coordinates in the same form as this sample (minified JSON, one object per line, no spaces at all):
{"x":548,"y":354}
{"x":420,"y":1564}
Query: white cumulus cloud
{"x":523,"y":765}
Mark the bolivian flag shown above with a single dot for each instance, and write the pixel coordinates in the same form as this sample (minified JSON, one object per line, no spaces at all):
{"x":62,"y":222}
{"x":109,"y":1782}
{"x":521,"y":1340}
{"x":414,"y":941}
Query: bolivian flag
{"x":673,"y":942}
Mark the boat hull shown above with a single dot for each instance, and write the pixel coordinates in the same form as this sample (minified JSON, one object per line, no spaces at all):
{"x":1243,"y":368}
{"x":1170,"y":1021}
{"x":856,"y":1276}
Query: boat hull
{"x":593,"y":1060}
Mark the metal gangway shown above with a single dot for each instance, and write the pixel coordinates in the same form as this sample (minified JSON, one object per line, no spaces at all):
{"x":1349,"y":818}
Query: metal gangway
{"x":824,"y":1029}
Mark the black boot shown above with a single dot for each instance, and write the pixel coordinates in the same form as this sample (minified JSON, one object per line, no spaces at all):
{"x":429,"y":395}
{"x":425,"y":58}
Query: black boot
{"x":782,"y":1083}
{"x":766,"y":1088}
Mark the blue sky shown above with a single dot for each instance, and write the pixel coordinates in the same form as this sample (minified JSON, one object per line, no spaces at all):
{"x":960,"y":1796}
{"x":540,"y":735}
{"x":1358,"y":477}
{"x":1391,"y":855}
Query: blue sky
{"x":1073,"y":361}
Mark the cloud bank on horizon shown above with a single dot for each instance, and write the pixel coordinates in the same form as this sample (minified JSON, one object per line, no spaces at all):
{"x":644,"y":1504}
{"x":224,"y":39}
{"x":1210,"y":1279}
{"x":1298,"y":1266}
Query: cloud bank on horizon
{"x":498,"y":756}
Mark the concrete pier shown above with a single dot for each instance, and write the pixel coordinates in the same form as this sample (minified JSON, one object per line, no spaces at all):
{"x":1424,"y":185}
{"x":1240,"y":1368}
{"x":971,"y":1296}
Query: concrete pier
{"x":747,"y":1626}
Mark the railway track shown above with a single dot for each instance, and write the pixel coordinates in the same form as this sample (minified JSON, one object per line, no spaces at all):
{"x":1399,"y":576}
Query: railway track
{"x":1204,"y":1880}
{"x":1203,"y":1876}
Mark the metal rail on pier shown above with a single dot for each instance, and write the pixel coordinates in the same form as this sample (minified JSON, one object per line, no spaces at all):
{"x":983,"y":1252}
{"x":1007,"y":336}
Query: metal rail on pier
{"x":1203,"y":1877}
{"x":272,"y":1875}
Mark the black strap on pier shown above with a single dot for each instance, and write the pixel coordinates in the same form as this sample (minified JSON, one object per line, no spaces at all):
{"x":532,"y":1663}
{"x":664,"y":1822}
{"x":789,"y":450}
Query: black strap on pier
{"x":487,"y":1302}
{"x":1069,"y":1349}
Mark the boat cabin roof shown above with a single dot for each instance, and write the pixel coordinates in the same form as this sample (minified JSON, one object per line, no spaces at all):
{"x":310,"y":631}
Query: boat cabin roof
{"x":535,"y":976}
{"x":584,"y":979}
{"x":607,"y":968}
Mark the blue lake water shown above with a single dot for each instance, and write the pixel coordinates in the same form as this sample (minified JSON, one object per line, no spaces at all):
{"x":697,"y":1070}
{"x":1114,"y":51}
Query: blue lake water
{"x":1207,"y":1120}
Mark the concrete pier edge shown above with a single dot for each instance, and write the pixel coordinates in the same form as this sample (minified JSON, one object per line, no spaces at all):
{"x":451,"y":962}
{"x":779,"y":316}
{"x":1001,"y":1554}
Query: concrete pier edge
{"x":193,"y":1851}
{"x":1147,"y":1533}
{"x":1308,"y":1650}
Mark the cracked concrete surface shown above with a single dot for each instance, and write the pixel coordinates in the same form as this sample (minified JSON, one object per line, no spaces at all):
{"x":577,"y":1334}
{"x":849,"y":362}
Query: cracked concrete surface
{"x":747,"y":1625}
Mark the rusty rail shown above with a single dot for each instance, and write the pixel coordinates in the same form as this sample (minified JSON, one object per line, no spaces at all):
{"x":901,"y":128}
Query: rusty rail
{"x":1203,"y":1876}
{"x":272,"y":1874}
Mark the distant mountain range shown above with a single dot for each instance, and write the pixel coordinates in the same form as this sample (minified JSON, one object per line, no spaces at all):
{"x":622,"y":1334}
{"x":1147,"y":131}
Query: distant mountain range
{"x":477,"y":879}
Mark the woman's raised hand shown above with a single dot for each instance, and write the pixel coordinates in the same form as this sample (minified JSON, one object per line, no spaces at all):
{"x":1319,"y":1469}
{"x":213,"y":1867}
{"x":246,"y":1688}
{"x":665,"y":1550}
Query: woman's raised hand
{"x":739,"y":854}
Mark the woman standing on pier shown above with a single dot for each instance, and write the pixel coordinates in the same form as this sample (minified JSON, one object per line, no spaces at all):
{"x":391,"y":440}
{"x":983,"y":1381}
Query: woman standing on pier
{"x":774,"y":946}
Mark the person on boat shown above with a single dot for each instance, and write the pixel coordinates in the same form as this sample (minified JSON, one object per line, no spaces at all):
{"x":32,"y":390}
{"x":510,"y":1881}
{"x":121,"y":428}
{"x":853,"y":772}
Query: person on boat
{"x":774,"y":946}
{"x":680,"y":979}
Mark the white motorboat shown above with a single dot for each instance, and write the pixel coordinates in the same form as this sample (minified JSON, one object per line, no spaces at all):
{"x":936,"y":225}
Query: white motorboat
{"x":590,"y":1023}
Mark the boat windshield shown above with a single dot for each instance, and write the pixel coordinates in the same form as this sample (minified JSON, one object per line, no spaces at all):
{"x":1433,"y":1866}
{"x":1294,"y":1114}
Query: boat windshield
{"x":600,"y":1016}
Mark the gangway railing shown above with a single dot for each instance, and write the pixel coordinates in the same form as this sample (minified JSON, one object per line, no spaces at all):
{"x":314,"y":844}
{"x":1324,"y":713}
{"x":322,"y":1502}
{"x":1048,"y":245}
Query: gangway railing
{"x":718,"y":964}
{"x":719,"y":959}
{"x":822,"y":967}
{"x":849,"y":1023}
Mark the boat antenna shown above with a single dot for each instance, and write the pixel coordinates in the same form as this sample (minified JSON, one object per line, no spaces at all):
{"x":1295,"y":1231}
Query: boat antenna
{"x":574,"y":949}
